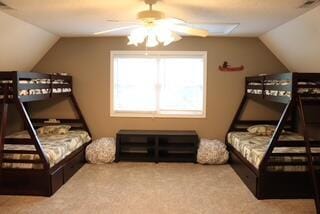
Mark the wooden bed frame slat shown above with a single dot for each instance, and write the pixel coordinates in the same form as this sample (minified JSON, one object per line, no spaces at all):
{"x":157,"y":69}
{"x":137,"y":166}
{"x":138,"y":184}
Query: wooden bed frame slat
{"x":296,"y":143}
{"x":68,"y":85}
{"x":278,"y":87}
{"x":292,"y":154}
{"x":23,"y":141}
{"x":61,"y":94}
{"x":20,"y":152}
{"x":279,"y":163}
{"x":31,"y":98}
{"x":31,"y":75}
{"x":34,"y":86}
{"x":38,"y":161}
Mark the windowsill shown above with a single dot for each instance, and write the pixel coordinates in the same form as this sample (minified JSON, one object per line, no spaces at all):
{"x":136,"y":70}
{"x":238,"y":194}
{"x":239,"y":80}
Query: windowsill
{"x":146,"y":115}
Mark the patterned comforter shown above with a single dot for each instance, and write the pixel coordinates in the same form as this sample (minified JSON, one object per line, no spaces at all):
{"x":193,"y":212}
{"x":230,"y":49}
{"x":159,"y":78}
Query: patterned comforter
{"x":253,"y":148}
{"x":56,"y":148}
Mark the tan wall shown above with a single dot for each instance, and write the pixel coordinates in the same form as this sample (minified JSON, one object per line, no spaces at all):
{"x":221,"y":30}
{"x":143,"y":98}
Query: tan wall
{"x":22,"y":45}
{"x":88,"y":60}
{"x":297,"y":43}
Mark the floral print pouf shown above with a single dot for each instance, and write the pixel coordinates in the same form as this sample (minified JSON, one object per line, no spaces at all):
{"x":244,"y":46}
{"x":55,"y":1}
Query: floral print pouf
{"x":212,"y":152}
{"x":101,"y":151}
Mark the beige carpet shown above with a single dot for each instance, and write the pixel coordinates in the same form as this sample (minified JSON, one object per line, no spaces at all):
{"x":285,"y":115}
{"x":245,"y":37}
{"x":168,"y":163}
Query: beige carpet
{"x":151,"y":189}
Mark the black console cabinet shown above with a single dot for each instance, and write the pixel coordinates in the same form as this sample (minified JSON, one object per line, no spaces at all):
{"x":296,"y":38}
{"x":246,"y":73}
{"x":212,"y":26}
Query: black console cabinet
{"x":157,"y":146}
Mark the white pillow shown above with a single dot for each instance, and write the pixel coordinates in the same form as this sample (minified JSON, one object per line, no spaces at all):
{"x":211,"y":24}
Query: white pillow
{"x":57,"y":129}
{"x":262,"y":130}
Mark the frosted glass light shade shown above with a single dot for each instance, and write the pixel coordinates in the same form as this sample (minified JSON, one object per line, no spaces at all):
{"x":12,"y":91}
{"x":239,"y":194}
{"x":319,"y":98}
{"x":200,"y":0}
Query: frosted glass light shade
{"x":153,"y":36}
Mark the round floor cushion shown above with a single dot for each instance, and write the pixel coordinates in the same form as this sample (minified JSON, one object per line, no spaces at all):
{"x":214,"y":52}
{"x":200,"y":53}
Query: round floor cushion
{"x":212,"y":152}
{"x":101,"y":151}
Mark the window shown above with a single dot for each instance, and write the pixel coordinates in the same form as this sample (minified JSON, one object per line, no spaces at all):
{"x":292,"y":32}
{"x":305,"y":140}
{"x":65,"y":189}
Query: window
{"x":159,"y":84}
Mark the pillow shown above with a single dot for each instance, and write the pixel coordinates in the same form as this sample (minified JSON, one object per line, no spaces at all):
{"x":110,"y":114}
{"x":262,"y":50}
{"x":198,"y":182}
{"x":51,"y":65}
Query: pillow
{"x":262,"y":130}
{"x":57,"y":129}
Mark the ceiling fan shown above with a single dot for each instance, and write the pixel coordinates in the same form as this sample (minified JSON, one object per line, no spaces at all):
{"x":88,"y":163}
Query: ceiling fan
{"x":154,"y":27}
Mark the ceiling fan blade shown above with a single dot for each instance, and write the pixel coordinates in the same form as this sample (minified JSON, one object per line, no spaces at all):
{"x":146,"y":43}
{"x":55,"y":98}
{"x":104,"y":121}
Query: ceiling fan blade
{"x":190,"y":31}
{"x":171,"y":21}
{"x":116,"y":21}
{"x":116,"y":29}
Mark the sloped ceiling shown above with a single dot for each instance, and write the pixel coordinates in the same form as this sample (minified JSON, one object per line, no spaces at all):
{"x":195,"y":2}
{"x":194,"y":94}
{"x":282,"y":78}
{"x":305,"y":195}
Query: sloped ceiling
{"x":84,"y":17}
{"x":297,"y":43}
{"x":22,"y":45}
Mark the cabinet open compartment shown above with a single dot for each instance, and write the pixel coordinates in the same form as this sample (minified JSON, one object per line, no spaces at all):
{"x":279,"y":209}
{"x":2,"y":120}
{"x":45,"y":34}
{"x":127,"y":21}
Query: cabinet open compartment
{"x":157,"y":146}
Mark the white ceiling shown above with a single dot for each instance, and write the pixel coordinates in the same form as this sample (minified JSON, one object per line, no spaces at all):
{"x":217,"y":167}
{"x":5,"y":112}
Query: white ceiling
{"x":69,"y":18}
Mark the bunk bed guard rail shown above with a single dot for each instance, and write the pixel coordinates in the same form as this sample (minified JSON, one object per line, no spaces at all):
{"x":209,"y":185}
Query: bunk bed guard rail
{"x":31,"y":86}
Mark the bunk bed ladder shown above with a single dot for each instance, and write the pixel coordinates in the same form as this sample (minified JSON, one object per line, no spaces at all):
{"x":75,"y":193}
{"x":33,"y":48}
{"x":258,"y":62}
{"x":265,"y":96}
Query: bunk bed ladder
{"x":32,"y":132}
{"x":309,"y":155}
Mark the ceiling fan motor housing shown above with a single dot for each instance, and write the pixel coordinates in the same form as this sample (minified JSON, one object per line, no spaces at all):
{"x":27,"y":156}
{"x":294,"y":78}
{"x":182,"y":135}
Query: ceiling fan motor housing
{"x":150,"y":1}
{"x":150,"y":15}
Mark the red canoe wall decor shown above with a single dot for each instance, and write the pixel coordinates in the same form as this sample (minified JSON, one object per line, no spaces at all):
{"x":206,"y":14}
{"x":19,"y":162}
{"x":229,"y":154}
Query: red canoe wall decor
{"x":225,"y":67}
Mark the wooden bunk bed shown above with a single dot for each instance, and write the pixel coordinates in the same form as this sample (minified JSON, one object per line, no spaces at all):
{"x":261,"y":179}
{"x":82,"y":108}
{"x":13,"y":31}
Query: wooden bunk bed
{"x":275,"y":177}
{"x":20,"y":176}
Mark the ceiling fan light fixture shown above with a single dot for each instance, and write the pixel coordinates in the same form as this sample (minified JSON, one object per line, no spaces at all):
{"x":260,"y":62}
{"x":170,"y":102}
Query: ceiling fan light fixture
{"x":138,"y":35}
{"x":176,"y":36}
{"x":153,"y":36}
{"x":131,"y":41}
{"x":168,"y":42}
{"x":163,"y":34}
{"x":152,"y":39}
{"x":173,"y":38}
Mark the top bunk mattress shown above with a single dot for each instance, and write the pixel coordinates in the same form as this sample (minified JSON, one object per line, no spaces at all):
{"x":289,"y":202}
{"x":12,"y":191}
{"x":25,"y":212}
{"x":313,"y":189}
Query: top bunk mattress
{"x":253,"y":148}
{"x":56,"y":148}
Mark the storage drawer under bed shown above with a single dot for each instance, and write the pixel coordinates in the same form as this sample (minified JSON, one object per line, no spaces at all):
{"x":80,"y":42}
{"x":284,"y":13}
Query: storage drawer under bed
{"x":246,"y":175}
{"x":73,"y":165}
{"x":56,"y":180}
{"x":24,"y":182}
{"x":62,"y":174}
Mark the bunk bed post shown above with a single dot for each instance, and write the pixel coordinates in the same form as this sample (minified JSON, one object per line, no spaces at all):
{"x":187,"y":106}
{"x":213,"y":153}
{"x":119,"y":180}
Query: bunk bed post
{"x":4,"y":118}
{"x":294,"y":115}
{"x":309,"y":154}
{"x":23,"y":113}
{"x":75,"y":103}
{"x":238,"y":114}
{"x":239,"y":111}
{"x":276,"y":135}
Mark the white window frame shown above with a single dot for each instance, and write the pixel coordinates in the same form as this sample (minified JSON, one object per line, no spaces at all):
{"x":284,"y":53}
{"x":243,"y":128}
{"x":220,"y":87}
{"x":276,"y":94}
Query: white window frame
{"x":157,"y":114}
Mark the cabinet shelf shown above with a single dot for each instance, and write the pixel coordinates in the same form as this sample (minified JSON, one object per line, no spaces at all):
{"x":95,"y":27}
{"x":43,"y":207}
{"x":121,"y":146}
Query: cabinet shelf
{"x":137,"y":146}
{"x":145,"y":157}
{"x":166,"y":146}
{"x":175,"y":146}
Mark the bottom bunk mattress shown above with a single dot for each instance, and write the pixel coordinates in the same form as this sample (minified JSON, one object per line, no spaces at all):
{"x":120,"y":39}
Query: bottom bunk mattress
{"x":56,"y":147}
{"x":253,"y":148}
